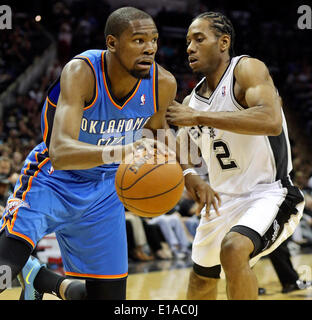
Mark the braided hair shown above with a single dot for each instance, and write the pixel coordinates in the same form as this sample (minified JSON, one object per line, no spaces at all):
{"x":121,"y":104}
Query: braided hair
{"x":221,"y":25}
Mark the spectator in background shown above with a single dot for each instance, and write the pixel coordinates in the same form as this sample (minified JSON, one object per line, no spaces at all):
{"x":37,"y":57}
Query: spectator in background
{"x":140,"y":241}
{"x":7,"y":171}
{"x":187,"y":209}
{"x":19,"y":47}
{"x":4,"y":192}
{"x":17,"y":161}
{"x":173,"y":230}
{"x":287,"y":275}
{"x":303,"y":233}
{"x":157,"y":241}
{"x":5,"y":150}
{"x":5,"y":166}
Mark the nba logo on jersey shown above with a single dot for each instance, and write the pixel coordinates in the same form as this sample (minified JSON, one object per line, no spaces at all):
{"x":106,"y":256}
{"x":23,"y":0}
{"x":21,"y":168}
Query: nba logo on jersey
{"x":51,"y":170}
{"x":223,"y":91}
{"x":142,"y":100}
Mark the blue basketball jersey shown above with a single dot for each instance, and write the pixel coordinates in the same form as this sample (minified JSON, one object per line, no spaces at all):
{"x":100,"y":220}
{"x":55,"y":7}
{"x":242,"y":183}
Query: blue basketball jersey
{"x":107,"y":121}
{"x":82,"y":206}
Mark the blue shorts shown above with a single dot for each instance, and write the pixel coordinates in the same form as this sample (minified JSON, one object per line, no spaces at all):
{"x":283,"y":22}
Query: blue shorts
{"x":85,"y":214}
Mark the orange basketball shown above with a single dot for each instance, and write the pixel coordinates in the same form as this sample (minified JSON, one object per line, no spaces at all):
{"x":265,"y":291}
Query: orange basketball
{"x":148,"y":187}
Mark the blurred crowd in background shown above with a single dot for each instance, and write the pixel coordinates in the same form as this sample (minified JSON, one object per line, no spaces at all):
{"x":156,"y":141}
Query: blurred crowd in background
{"x":76,"y":26}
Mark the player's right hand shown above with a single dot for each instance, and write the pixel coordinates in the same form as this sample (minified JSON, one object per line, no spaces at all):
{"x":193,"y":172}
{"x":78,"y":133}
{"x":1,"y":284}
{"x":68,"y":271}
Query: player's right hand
{"x":148,"y":148}
{"x":202,"y":193}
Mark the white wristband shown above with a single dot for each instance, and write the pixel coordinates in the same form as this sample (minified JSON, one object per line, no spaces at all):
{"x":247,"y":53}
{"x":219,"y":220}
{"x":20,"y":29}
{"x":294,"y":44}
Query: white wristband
{"x":189,"y":170}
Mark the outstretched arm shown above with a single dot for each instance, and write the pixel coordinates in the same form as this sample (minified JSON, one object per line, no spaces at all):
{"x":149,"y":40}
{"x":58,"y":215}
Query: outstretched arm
{"x":263,"y":116}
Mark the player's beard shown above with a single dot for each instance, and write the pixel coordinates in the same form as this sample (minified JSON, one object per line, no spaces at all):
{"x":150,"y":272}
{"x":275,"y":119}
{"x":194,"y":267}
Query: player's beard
{"x":140,"y":74}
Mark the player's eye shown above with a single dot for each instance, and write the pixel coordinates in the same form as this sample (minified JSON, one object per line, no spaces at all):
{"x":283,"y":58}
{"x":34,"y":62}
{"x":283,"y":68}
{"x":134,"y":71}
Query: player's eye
{"x":139,"y":41}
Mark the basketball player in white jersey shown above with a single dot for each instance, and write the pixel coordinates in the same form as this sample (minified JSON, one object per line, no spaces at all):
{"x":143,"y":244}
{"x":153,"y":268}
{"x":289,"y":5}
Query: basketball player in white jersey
{"x":235,"y":116}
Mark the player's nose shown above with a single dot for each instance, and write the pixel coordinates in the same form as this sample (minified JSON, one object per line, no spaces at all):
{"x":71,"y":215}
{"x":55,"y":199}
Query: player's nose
{"x":190,"y":48}
{"x":150,"y":48}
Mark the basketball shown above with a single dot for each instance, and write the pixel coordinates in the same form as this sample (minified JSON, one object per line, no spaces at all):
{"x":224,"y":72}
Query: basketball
{"x":148,"y":187}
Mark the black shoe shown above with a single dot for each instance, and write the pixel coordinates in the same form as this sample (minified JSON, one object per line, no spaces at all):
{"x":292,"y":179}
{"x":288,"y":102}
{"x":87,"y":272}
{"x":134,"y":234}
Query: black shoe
{"x":298,"y":285}
{"x":261,"y":291}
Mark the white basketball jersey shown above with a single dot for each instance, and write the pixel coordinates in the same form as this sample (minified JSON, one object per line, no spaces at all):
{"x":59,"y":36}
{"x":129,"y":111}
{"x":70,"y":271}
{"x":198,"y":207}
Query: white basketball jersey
{"x":237,"y":162}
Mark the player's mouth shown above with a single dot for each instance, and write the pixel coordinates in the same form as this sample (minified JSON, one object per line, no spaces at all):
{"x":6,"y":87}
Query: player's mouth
{"x":145,"y":64}
{"x":192,"y":61}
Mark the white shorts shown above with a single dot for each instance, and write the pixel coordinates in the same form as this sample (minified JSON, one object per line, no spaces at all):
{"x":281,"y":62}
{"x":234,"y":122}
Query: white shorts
{"x":270,"y":211}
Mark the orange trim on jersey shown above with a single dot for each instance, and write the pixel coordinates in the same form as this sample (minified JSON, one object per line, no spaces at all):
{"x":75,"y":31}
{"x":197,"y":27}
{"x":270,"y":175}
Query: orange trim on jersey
{"x":27,"y":168}
{"x":95,"y":276}
{"x":96,"y":84}
{"x":4,"y":217}
{"x":46,"y":125}
{"x":18,"y":234}
{"x":51,"y":103}
{"x":107,"y":90}
{"x":35,"y":174}
{"x":41,"y":165}
{"x":32,"y":177}
{"x":4,"y":221}
{"x":20,"y":180}
{"x":154,"y":88}
{"x":28,"y":188}
{"x":22,"y":236}
{"x":9,"y":224}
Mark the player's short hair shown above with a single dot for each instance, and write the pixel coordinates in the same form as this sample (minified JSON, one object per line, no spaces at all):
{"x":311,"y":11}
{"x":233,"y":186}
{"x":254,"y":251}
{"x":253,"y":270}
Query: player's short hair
{"x":220,"y":25}
{"x":119,"y":20}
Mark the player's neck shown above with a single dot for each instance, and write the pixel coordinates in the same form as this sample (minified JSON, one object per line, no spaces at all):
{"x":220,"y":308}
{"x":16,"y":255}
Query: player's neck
{"x":120,"y":80}
{"x":213,"y":77}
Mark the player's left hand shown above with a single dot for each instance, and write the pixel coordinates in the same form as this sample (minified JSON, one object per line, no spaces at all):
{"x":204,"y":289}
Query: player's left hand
{"x":181,"y":115}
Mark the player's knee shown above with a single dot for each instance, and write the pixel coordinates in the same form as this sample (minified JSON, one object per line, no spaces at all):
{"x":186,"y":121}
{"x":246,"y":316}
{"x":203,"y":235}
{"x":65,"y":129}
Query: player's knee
{"x":235,"y":251}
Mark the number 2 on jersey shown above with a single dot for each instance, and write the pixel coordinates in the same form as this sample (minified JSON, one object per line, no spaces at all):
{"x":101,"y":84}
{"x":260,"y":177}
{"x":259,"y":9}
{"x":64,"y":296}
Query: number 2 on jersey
{"x":223,"y":155}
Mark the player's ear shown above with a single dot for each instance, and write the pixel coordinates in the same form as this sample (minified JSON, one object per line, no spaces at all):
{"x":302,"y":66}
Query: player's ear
{"x":111,"y":42}
{"x":225,"y":42}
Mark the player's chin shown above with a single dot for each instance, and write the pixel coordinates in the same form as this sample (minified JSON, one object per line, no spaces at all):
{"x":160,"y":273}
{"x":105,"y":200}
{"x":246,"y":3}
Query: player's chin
{"x":195,"y":68}
{"x":141,"y":74}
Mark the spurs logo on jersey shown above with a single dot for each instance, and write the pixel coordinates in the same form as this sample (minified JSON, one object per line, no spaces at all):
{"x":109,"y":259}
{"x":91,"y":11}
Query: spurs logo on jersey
{"x":237,"y":162}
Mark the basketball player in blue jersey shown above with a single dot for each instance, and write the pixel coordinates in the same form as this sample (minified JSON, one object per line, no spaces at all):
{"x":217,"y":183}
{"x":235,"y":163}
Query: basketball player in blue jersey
{"x":67,"y":184}
{"x":235,"y":116}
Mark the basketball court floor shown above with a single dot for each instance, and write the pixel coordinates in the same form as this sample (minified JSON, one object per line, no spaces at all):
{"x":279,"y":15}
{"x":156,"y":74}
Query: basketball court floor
{"x":167,"y":280}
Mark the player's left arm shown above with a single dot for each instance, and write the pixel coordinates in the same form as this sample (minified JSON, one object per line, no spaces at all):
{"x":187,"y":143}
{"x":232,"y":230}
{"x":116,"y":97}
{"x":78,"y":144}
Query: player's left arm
{"x":262,"y":116}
